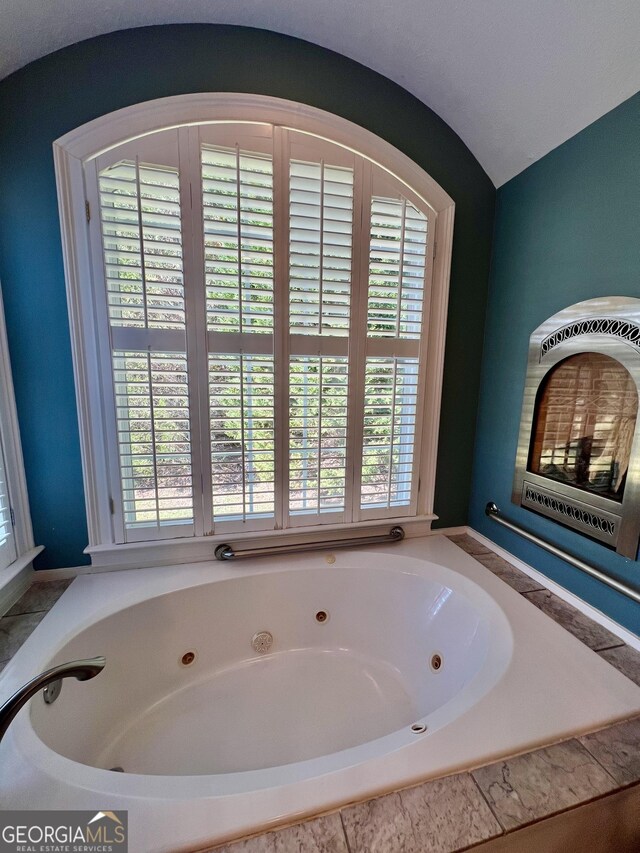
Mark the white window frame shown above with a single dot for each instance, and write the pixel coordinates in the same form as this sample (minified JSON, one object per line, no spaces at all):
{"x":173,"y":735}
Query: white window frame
{"x":71,"y":152}
{"x":25,"y":550}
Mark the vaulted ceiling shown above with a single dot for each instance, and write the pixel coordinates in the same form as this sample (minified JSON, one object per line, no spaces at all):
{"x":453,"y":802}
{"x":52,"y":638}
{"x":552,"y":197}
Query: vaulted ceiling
{"x":514,"y":78}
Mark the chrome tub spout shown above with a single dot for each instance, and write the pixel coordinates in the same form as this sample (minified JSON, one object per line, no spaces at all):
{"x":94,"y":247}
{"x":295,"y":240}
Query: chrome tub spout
{"x":83,"y":670}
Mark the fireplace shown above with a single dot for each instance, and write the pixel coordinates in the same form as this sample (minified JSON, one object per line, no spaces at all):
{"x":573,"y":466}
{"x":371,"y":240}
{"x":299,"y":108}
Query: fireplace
{"x":578,"y":459}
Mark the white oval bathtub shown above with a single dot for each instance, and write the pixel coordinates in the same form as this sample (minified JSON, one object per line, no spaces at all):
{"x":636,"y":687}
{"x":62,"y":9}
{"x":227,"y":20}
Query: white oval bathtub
{"x":323,"y":687}
{"x":240,"y":739}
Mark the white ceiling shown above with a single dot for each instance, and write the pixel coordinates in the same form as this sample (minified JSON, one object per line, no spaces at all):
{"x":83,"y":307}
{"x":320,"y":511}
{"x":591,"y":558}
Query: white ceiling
{"x":514,"y":78}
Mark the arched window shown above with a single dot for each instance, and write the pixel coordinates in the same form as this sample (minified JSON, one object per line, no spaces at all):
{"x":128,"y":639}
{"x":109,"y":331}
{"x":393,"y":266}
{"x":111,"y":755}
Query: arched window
{"x":268,"y":321}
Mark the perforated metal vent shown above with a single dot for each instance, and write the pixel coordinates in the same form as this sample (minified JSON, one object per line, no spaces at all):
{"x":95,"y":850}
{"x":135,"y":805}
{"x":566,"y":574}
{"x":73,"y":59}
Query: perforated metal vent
{"x":629,"y":332}
{"x":600,"y":525}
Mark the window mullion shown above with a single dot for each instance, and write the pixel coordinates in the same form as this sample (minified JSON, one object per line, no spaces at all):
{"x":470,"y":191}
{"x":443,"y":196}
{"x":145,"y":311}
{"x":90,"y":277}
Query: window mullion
{"x":196,"y":330}
{"x":281,"y":322}
{"x":358,"y":335}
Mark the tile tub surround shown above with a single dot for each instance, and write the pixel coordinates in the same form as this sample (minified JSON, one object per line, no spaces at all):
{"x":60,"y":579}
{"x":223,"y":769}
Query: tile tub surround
{"x":461,"y":811}
{"x":40,"y":597}
{"x":444,"y":814}
{"x":585,"y":629}
{"x":321,"y":835}
{"x":14,"y":630}
{"x":538,"y":784}
{"x":617,"y":749}
{"x":21,"y":620}
{"x":624,"y":658}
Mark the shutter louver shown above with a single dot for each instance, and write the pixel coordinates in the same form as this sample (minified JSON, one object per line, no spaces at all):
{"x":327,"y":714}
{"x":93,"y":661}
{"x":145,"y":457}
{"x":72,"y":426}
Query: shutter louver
{"x":320,"y":237}
{"x":152,"y":407}
{"x":397,"y":264}
{"x":398,"y":241}
{"x":320,"y":251}
{"x":317,"y":434}
{"x":142,"y":243}
{"x":242,"y":436}
{"x":142,"y":253}
{"x":237,"y":201}
{"x":391,"y":391}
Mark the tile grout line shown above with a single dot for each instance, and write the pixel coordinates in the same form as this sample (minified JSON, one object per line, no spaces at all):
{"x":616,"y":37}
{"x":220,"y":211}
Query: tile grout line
{"x":489,"y":806}
{"x":27,"y":612}
{"x":620,"y":786}
{"x":595,"y":758}
{"x":344,"y":832}
{"x":625,"y":646}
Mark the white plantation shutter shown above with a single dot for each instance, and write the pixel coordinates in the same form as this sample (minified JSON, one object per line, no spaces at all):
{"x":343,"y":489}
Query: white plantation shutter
{"x":7,"y":538}
{"x":321,"y":179}
{"x":242,"y":437}
{"x":320,"y":242}
{"x":318,"y":388}
{"x":142,"y":252}
{"x":237,"y":202}
{"x":238,"y":249}
{"x":152,"y":400}
{"x":265,"y":303}
{"x":397,"y":263}
{"x":396,"y":298}
{"x":390,"y":408}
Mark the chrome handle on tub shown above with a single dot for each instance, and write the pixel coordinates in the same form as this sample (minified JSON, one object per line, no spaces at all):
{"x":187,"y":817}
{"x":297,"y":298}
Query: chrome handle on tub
{"x":83,"y":670}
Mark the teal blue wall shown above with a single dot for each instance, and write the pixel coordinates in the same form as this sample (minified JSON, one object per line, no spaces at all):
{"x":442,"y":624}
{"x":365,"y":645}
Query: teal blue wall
{"x":567,"y":229}
{"x":68,"y":88}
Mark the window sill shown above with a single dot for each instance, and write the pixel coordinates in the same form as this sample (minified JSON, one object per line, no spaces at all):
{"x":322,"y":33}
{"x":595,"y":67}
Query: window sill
{"x":136,"y":555}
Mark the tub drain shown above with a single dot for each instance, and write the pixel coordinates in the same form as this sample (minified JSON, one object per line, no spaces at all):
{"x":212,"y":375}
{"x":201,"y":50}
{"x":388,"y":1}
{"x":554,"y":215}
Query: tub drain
{"x":418,"y":728}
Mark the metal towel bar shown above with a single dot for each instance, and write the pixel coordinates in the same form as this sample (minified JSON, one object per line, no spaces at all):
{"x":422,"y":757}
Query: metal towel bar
{"x":226,"y":552}
{"x":493,"y":512}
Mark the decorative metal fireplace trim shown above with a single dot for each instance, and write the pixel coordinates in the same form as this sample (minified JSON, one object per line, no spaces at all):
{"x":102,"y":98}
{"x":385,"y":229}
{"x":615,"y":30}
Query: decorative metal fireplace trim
{"x":609,"y":326}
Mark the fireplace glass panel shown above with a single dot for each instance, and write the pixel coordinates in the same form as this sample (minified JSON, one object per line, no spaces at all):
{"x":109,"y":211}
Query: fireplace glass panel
{"x":584,"y":423}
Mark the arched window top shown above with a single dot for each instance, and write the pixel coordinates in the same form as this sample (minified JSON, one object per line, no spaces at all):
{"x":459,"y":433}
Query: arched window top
{"x":134,"y":122}
{"x":268,"y":307}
